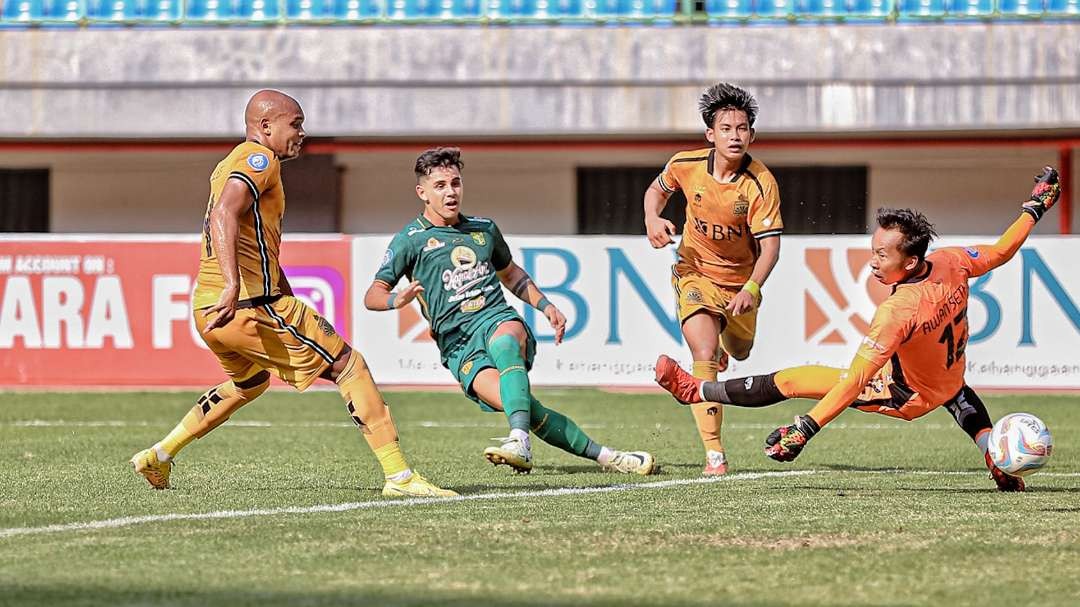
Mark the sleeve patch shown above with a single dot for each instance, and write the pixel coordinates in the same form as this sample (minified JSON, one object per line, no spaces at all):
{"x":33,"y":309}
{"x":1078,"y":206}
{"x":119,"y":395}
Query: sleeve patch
{"x":387,"y":258}
{"x":972,"y":252}
{"x":258,"y":161}
{"x":873,"y":346}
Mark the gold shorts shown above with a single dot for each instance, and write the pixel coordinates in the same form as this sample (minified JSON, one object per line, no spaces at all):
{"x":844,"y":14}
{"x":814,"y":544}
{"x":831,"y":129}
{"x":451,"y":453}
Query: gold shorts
{"x":695,"y":293}
{"x":285,"y":337}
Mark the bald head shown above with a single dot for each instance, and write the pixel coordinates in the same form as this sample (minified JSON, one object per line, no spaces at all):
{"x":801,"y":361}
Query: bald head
{"x":276,"y":121}
{"x":268,"y":103}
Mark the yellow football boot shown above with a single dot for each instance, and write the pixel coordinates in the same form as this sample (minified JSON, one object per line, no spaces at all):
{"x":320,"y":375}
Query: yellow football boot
{"x":415,"y":486}
{"x":154,"y":471}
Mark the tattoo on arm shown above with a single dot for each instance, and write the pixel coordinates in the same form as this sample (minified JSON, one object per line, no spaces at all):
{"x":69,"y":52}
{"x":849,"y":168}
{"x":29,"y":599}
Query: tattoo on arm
{"x":521,"y":288}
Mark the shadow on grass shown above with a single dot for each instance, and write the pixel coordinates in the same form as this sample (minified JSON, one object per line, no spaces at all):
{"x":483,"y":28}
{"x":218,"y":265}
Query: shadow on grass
{"x":73,"y":595}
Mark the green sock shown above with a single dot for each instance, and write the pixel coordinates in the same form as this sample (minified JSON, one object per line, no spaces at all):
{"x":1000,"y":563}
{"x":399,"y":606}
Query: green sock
{"x":560,"y":431}
{"x":505,"y":351}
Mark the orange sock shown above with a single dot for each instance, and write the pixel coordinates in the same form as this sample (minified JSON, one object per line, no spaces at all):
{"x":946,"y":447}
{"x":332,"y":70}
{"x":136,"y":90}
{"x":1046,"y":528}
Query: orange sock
{"x":708,"y":416}
{"x":807,"y":382}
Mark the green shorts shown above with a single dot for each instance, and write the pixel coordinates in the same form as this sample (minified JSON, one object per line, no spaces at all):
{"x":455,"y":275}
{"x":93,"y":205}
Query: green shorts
{"x":468,"y":356}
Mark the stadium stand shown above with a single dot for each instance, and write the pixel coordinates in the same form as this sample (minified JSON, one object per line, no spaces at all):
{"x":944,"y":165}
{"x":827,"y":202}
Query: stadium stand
{"x":195,"y":12}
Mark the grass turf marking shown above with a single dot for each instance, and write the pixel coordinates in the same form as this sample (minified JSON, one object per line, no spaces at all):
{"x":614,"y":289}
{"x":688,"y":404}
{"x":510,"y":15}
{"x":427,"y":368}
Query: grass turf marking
{"x":128,"y":521}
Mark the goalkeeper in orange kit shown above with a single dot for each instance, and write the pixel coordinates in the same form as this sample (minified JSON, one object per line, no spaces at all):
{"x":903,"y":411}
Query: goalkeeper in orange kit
{"x":912,"y":361}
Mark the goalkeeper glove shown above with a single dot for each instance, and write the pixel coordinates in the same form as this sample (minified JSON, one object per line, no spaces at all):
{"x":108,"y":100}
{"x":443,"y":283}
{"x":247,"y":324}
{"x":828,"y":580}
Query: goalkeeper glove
{"x":786,"y":442}
{"x":1046,"y":192}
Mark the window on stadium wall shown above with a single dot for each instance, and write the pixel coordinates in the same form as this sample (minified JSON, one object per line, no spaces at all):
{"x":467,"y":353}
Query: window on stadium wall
{"x":24,"y":200}
{"x":813,"y":199}
{"x":313,"y":191}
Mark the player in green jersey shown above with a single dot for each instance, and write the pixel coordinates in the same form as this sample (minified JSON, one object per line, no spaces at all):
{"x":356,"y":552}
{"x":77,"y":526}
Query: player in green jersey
{"x":457,"y":266}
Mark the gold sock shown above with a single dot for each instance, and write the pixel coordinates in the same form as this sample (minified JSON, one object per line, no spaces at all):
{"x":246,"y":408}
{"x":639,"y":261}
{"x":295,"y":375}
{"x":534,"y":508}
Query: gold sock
{"x":212,"y":409}
{"x":177,"y":439}
{"x":391,"y":459}
{"x":708,"y":416}
{"x":370,"y":413}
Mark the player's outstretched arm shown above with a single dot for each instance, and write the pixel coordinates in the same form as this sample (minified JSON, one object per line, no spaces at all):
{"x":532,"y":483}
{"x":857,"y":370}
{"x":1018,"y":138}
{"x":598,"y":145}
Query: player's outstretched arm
{"x":518,"y":282}
{"x":380,"y":298}
{"x":786,"y":442}
{"x":235,"y":200}
{"x":1044,"y":195}
{"x":658,"y":230}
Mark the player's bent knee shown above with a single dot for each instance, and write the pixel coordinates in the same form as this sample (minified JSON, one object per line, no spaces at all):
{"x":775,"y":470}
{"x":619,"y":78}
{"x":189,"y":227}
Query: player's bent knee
{"x":504,"y":350}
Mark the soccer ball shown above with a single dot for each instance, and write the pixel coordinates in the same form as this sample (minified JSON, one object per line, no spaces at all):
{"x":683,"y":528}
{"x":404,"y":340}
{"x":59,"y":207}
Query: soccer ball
{"x":1020,"y":444}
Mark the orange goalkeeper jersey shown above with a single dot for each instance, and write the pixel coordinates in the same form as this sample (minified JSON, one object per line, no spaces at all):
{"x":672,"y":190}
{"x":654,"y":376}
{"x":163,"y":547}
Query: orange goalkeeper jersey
{"x":923,"y":326}
{"x":259,"y":238}
{"x":723,"y":220}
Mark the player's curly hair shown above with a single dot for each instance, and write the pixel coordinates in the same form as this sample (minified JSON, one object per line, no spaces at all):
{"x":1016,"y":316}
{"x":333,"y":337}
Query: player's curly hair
{"x":724,"y":96}
{"x":438,"y":157}
{"x":916,"y":228}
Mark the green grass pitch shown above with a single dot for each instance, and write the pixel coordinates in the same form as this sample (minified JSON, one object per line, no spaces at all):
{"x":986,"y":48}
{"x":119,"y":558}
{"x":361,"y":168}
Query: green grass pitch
{"x":878,"y":512}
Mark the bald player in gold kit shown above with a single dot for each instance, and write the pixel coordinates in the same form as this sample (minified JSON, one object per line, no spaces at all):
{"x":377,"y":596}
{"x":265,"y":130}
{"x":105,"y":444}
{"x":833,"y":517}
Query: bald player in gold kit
{"x":245,"y":311}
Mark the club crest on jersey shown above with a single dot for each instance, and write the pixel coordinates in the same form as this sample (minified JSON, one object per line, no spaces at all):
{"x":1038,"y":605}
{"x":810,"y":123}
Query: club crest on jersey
{"x":972,"y":252}
{"x":463,"y":258}
{"x":433,"y":243}
{"x":742,"y":205}
{"x":258,"y":161}
{"x":478,"y":238}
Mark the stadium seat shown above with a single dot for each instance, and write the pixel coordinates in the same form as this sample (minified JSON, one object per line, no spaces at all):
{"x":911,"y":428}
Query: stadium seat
{"x":415,"y":9}
{"x":1020,"y":7}
{"x":635,"y":8}
{"x":232,"y":10}
{"x":512,"y":8}
{"x":106,"y":12}
{"x":959,"y":8}
{"x":773,"y":8}
{"x":922,"y":8}
{"x":843,"y":8}
{"x":1063,"y":7}
{"x":566,"y":8}
{"x":15,"y":11}
{"x":720,"y":9}
{"x":325,"y":10}
{"x":469,"y":9}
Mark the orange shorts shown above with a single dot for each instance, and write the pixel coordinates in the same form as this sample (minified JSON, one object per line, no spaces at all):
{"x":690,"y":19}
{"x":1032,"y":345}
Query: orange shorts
{"x":885,"y":396}
{"x":286,"y":337}
{"x":695,"y":293}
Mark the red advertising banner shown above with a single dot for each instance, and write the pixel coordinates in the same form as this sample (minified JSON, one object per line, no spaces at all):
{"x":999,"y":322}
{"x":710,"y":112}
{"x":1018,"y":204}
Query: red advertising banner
{"x":117,"y":311}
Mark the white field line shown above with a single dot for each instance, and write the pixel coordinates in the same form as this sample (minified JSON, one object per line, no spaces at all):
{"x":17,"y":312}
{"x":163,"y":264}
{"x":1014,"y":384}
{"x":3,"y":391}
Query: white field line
{"x":59,"y":423}
{"x":950,"y":473}
{"x":128,"y":521}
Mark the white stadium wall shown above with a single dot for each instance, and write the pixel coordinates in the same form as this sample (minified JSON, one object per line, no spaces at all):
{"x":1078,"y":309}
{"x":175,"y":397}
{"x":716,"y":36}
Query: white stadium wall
{"x":116,"y":311}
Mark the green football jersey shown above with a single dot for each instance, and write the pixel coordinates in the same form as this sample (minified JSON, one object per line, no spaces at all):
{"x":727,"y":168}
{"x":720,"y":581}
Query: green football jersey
{"x":456,"y":265}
